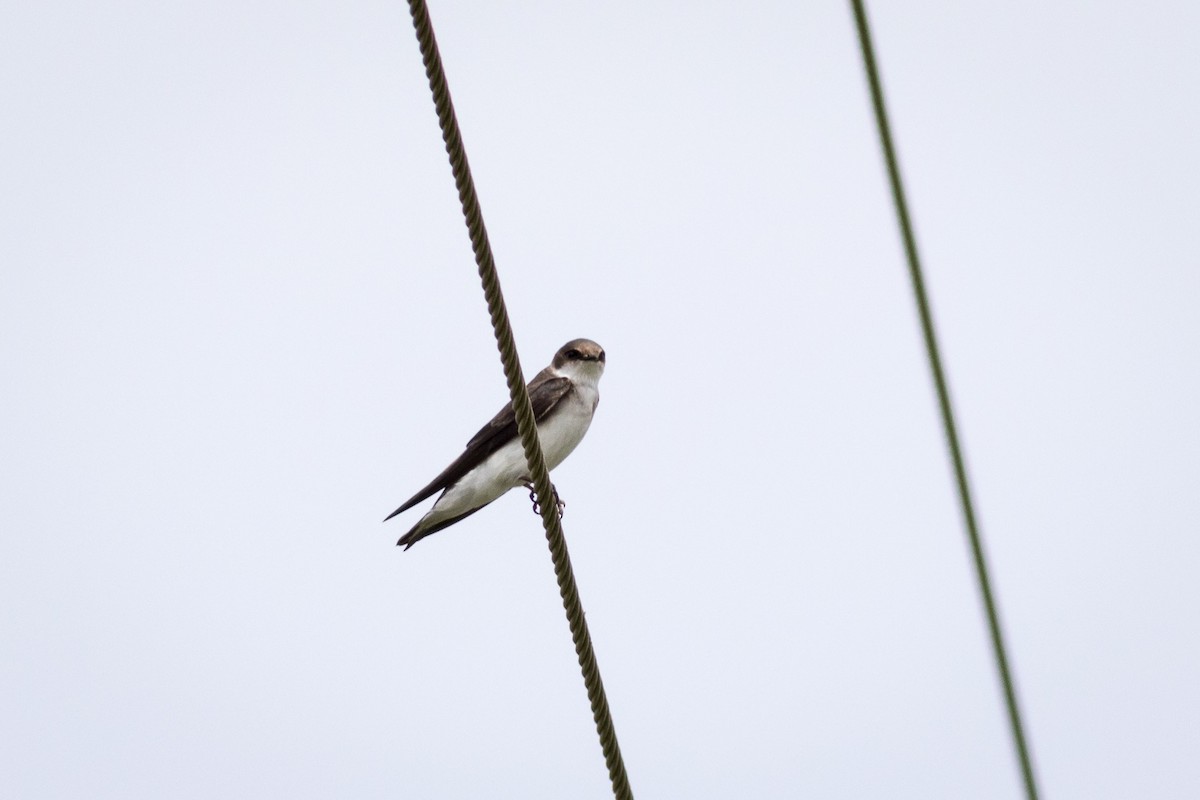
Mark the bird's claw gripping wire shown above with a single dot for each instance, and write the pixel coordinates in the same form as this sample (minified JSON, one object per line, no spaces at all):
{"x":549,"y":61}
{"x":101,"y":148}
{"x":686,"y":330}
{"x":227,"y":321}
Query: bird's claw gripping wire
{"x":537,"y":508}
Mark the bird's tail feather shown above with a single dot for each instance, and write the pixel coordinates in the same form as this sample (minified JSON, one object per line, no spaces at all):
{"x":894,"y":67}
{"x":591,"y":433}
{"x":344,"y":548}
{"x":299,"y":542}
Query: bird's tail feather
{"x":418,"y":533}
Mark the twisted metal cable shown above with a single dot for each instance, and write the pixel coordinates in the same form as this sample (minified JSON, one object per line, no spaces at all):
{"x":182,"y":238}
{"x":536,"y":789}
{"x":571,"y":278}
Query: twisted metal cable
{"x":526,"y":423}
{"x":943,"y":393}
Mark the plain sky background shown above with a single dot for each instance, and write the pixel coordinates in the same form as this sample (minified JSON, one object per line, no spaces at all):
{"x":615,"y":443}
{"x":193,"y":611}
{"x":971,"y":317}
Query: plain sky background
{"x":240,"y":323}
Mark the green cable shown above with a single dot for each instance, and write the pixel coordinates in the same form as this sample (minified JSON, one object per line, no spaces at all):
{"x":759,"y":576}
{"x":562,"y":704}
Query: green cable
{"x":526,"y":424}
{"x":943,"y":393}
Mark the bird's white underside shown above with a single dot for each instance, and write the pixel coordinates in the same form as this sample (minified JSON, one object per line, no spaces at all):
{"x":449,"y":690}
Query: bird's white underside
{"x":560,"y":432}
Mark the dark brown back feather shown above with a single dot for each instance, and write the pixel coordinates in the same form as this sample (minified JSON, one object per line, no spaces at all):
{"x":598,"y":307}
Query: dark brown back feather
{"x":545,"y":391}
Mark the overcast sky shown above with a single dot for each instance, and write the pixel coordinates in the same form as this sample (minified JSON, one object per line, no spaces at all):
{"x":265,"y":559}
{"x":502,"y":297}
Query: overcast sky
{"x":240,"y":323}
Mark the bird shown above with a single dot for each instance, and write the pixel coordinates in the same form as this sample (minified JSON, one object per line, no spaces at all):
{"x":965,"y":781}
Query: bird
{"x":564,"y":397}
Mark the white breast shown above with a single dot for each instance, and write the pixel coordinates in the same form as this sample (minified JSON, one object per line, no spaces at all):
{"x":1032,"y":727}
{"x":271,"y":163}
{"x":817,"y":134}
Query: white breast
{"x":559,"y":434}
{"x":564,"y":429}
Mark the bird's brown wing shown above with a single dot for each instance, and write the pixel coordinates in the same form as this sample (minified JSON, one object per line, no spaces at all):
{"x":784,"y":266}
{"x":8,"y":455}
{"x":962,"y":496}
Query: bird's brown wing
{"x":545,"y":391}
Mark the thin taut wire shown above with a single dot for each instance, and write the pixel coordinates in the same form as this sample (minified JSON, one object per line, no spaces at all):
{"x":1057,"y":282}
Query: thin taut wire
{"x":943,"y":393}
{"x":520,"y":399}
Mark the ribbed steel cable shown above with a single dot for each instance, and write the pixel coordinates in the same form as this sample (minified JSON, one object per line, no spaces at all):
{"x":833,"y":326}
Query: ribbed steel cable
{"x":943,"y":393}
{"x":526,"y":424}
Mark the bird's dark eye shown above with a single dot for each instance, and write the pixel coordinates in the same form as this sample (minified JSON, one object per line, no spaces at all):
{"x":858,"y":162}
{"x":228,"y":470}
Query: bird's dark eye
{"x":601,"y":356}
{"x":574,"y":355}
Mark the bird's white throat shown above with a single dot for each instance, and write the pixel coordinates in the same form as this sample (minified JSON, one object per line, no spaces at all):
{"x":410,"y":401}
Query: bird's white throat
{"x":584,"y":374}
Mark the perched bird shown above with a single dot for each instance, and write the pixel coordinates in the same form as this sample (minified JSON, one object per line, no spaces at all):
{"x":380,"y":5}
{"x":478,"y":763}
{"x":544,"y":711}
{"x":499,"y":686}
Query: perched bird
{"x":564,"y":397}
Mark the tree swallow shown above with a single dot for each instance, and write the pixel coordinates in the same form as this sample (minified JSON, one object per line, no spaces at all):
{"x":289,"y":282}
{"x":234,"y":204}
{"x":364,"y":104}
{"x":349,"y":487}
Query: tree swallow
{"x":564,"y":397}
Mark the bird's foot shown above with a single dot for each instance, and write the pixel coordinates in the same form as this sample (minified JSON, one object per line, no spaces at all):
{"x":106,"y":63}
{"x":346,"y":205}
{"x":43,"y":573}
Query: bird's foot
{"x":532,"y":496}
{"x":537,"y":508}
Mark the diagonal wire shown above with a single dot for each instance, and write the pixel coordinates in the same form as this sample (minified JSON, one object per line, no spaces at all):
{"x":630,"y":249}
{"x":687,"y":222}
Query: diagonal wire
{"x":943,"y":393}
{"x":520,"y":399}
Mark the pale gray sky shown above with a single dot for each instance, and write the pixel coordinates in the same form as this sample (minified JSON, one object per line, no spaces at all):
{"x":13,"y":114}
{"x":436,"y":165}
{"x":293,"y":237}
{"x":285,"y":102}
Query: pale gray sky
{"x":240,"y":324}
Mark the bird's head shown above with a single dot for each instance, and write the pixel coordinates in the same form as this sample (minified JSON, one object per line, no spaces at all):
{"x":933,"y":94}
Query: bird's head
{"x":580,"y":359}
